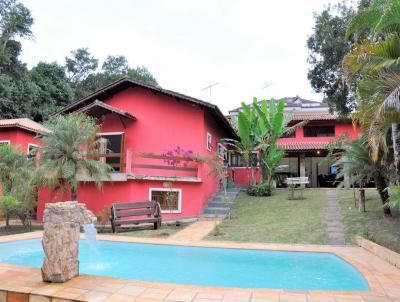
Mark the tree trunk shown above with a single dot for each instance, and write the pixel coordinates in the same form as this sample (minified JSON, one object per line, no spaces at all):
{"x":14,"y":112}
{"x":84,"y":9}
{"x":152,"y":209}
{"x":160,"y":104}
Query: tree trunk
{"x":381,"y":186}
{"x":361,"y":200}
{"x":74,"y":194}
{"x":396,"y":146}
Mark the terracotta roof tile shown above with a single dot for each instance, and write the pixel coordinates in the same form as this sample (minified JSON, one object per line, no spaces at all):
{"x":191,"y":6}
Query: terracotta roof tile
{"x":320,"y":116}
{"x":23,"y":123}
{"x":298,"y":146}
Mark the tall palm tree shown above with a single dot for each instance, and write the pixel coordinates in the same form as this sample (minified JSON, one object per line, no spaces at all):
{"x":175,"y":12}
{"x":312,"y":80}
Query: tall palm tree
{"x":70,"y":149}
{"x":377,"y":62}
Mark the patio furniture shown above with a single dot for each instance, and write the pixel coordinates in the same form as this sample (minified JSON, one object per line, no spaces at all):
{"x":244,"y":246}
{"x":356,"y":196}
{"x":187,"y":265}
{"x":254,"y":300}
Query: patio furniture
{"x":135,"y":213}
{"x":296,"y":184}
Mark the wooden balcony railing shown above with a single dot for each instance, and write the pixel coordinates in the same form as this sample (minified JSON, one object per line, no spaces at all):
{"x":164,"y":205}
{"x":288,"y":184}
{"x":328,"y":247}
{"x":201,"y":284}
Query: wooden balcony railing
{"x":152,"y":164}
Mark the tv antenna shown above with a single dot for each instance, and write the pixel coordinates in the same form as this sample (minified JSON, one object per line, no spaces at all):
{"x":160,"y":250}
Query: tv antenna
{"x":209,"y":87}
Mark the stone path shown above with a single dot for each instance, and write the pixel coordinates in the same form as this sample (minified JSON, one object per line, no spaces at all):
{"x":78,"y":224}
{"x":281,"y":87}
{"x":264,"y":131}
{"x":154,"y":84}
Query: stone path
{"x":197,"y":230}
{"x":334,"y":221}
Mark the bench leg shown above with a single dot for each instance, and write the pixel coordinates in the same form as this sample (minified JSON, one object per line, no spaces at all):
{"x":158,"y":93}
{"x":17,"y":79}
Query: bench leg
{"x":113,"y":227}
{"x":157,"y":225}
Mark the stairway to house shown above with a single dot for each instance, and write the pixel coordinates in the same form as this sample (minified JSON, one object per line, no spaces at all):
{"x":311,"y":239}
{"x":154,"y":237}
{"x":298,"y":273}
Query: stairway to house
{"x":217,"y":206}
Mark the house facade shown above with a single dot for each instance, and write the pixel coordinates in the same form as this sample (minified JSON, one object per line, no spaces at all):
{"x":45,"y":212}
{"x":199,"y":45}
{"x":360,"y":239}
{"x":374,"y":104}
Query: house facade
{"x":21,"y":133}
{"x":307,"y":148}
{"x":153,"y":139}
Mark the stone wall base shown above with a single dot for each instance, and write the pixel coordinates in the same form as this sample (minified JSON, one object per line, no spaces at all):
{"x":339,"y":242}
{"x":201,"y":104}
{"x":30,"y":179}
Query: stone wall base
{"x":380,"y":251}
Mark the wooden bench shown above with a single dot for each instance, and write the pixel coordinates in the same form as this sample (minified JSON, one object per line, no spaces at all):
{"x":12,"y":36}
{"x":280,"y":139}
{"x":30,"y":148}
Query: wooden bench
{"x":135,"y":213}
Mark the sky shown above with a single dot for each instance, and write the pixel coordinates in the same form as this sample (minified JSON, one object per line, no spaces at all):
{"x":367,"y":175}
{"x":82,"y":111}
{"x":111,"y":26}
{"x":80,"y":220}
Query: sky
{"x":250,"y":48}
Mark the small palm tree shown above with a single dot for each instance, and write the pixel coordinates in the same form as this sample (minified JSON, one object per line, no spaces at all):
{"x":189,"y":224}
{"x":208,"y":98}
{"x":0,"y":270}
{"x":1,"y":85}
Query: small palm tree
{"x":71,"y":148}
{"x":357,"y":161}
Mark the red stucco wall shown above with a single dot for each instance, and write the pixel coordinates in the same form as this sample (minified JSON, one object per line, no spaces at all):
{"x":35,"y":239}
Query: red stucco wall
{"x":18,"y":138}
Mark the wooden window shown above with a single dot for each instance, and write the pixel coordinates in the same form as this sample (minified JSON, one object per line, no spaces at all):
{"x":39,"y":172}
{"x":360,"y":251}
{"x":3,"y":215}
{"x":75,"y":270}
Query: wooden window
{"x":319,"y":131}
{"x":169,"y":199}
{"x":114,"y":147}
{"x":209,"y":141}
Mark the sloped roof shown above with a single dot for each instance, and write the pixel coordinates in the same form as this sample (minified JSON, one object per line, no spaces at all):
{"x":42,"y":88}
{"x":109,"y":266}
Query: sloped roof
{"x":99,"y":107}
{"x":24,"y":123}
{"x":302,"y":146}
{"x":126,"y":82}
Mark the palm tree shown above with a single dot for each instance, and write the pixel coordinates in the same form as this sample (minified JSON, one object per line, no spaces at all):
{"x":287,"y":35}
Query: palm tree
{"x":70,"y":149}
{"x":357,"y":161}
{"x":377,"y":62}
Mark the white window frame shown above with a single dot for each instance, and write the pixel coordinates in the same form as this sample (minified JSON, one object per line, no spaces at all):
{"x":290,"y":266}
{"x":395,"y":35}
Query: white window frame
{"x":151,"y":190}
{"x":224,"y":151}
{"x":209,"y":141}
{"x":6,"y":142}
{"x":110,"y":133}
{"x":31,"y":145}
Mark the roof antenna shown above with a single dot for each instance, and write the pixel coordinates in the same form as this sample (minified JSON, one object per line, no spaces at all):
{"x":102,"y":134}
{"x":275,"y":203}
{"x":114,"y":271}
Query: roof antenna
{"x":266,"y":85}
{"x":209,"y":87}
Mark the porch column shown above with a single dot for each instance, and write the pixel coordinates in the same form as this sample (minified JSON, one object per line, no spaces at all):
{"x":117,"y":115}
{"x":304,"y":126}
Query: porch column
{"x":302,"y":165}
{"x":346,"y":181}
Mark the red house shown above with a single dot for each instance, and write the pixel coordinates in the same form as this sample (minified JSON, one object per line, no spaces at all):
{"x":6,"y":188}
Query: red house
{"x":151,"y":136}
{"x":21,"y":133}
{"x":306,"y":149}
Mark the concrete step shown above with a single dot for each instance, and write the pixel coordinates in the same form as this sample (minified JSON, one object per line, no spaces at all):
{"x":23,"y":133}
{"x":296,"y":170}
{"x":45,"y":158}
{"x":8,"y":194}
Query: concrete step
{"x":217,"y":204}
{"x":216,"y":211}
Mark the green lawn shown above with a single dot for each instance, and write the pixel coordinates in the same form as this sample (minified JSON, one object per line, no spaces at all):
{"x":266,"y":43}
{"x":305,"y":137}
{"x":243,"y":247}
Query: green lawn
{"x":371,"y":224}
{"x":276,"y":219}
{"x":17,"y":229}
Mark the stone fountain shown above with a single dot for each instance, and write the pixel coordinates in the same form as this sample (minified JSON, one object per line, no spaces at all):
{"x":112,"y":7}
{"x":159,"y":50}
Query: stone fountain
{"x":62,"y":223}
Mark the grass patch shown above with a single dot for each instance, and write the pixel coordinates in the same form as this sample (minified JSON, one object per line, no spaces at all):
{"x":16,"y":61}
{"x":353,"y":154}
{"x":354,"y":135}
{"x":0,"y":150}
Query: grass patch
{"x":276,"y":219}
{"x":167,"y":229}
{"x":18,"y":229}
{"x":372,"y":224}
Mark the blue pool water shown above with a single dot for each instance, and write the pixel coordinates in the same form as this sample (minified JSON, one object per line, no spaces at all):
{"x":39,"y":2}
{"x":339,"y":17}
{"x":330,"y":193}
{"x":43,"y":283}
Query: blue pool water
{"x":202,"y":266}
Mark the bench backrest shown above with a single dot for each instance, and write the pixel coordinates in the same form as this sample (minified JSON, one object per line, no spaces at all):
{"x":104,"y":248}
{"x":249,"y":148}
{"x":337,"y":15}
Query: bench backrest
{"x":297,"y":180}
{"x":129,"y":209}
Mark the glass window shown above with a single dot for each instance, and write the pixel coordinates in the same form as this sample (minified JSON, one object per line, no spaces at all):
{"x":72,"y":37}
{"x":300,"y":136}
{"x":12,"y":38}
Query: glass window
{"x":168,"y":199}
{"x":319,"y":131}
{"x":238,"y":161}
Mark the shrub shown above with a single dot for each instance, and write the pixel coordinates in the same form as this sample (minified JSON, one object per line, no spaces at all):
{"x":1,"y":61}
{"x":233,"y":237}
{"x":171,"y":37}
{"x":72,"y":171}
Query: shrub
{"x":13,"y":207}
{"x":259,"y":190}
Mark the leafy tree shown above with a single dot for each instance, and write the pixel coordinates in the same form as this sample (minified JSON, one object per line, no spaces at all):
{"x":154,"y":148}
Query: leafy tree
{"x":15,"y":22}
{"x":115,"y":65}
{"x":53,"y":90}
{"x":80,"y":65}
{"x":327,"y":47}
{"x":63,"y":152}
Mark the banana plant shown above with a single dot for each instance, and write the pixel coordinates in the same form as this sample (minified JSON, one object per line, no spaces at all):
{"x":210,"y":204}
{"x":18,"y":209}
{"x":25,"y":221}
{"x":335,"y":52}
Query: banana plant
{"x":272,"y":124}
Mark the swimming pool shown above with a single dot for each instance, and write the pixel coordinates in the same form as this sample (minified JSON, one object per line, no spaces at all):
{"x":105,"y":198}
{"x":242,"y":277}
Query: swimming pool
{"x":202,"y":266}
